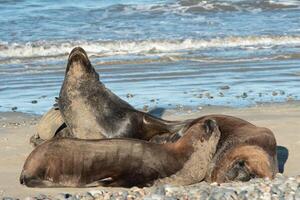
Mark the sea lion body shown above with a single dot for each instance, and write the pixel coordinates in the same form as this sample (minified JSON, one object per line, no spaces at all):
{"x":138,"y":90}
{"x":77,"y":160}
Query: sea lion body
{"x":91,"y":111}
{"x":66,"y":162}
{"x":244,"y":151}
{"x":86,"y":109}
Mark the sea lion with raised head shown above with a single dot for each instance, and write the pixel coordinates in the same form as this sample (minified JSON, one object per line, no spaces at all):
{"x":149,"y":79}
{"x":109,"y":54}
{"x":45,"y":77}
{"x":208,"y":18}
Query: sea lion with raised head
{"x":91,"y":111}
{"x":244,"y":151}
{"x":67,"y":162}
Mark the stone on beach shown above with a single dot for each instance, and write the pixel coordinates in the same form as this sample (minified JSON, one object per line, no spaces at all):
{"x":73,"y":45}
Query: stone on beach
{"x":280,"y":188}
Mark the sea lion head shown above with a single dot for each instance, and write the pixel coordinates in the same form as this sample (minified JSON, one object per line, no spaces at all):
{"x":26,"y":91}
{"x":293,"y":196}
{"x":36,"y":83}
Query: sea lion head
{"x":243,"y":163}
{"x":79,"y":64}
{"x":207,"y":130}
{"x":201,"y":134}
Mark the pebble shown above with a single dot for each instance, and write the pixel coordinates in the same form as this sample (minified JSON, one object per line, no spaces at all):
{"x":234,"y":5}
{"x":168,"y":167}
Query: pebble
{"x":208,"y":95}
{"x":225,"y":87}
{"x":179,"y":106}
{"x":8,"y":198}
{"x":244,"y":95}
{"x":221,"y":94}
{"x":290,"y":98}
{"x":129,"y":95}
{"x":43,"y":97}
{"x":280,"y":188}
{"x":29,"y":198}
{"x":145,"y":108}
{"x":281,"y":92}
{"x":63,"y":196}
{"x":34,"y":101}
{"x":14,"y":108}
{"x":41,"y":197}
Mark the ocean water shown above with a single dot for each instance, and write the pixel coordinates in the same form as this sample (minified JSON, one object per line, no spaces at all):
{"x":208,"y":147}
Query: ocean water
{"x":166,"y":53}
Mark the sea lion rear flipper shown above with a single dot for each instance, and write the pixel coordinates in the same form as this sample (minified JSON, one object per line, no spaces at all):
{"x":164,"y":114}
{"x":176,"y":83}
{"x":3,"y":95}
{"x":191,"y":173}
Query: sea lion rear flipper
{"x":155,"y":126}
{"x":35,"y":140}
{"x":95,"y":184}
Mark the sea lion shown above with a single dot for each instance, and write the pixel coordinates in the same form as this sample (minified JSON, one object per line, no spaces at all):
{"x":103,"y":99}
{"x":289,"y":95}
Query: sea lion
{"x":67,"y":162}
{"x":91,"y":111}
{"x":244,"y":151}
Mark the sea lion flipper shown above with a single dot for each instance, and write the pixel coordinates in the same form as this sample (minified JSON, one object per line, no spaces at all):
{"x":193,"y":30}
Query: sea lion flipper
{"x":49,"y":125}
{"x":179,"y":180}
{"x":154,"y":126}
{"x":35,"y":140}
{"x":95,"y":184}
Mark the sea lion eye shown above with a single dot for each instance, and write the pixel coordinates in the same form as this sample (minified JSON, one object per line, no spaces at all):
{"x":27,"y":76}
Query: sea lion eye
{"x":252,"y":175}
{"x":241,"y":163}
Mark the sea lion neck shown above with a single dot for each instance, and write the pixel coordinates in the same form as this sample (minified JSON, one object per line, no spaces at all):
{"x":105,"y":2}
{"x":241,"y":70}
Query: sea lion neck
{"x":186,"y":144}
{"x":198,"y":136}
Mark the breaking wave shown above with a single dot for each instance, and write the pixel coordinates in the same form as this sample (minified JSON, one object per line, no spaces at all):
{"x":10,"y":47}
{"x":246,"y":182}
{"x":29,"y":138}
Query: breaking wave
{"x":110,"y":48}
{"x":192,"y":6}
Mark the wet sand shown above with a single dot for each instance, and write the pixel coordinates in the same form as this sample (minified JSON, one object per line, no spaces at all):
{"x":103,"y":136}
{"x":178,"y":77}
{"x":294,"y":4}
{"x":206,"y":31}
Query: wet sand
{"x":17,"y":128}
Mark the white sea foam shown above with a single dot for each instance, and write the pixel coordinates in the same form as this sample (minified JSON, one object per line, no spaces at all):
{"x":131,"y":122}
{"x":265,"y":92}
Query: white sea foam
{"x":109,"y":48}
{"x":187,"y":6}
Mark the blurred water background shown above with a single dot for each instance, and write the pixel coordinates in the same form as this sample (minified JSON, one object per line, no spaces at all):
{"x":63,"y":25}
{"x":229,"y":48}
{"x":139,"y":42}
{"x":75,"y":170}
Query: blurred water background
{"x":156,"y":53}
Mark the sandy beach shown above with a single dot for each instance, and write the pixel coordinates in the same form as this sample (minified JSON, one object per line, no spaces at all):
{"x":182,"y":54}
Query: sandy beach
{"x":184,"y":58}
{"x":16,"y":129}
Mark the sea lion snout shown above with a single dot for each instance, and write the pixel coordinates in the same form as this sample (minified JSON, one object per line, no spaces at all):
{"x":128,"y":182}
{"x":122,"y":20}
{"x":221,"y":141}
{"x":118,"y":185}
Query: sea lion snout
{"x":79,"y":60}
{"x":239,"y":172}
{"x":77,"y":50}
{"x":244,"y":163}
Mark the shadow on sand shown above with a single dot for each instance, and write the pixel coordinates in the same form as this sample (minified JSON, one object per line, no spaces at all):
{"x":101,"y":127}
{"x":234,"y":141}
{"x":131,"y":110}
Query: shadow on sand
{"x":282,"y":156}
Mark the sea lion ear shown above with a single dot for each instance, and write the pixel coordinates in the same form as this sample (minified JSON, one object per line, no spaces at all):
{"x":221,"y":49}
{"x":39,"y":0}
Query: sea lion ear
{"x":210,"y":126}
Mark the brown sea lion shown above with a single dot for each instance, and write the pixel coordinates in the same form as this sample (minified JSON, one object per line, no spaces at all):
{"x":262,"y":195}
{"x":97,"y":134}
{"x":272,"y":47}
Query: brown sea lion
{"x":66,"y":162}
{"x":91,"y":111}
{"x":244,"y":151}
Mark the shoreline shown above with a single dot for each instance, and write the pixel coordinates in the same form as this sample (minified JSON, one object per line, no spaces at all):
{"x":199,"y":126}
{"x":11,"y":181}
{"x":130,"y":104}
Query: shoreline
{"x":16,"y":129}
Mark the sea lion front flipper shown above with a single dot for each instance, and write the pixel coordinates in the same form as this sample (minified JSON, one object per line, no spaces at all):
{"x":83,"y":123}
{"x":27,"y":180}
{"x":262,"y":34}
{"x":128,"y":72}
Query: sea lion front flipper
{"x":49,"y":124}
